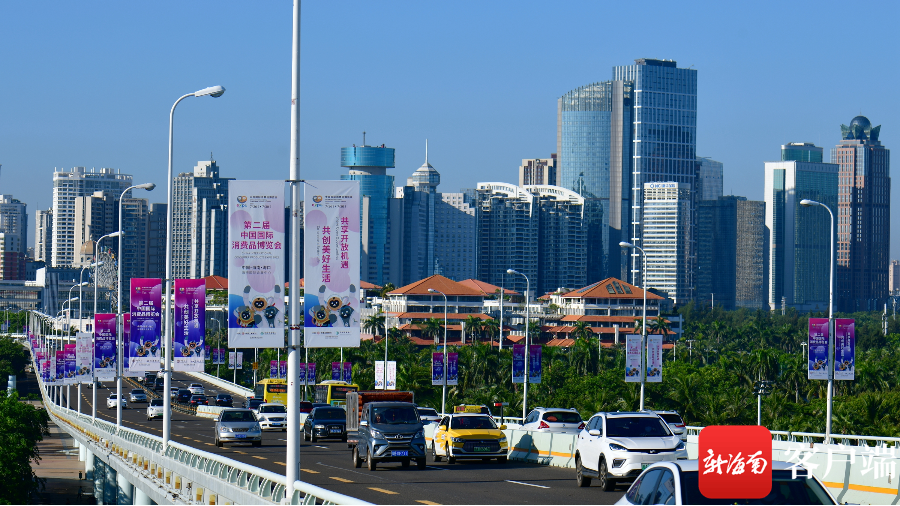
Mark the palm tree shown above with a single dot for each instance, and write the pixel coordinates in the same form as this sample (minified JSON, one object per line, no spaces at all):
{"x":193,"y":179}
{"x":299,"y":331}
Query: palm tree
{"x":433,"y":328}
{"x":659,"y":325}
{"x":491,"y":328}
{"x":638,"y":324}
{"x":386,"y":290}
{"x":473,"y":326}
{"x":582,"y":330}
{"x":375,"y":324}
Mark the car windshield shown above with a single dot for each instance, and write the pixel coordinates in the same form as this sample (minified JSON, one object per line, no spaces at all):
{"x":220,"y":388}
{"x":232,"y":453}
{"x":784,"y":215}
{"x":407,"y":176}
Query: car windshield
{"x":137,"y":391}
{"x":427,"y":412}
{"x":273,"y":409}
{"x":184,"y":392}
{"x":785,"y":490}
{"x":395,"y":415}
{"x":671,"y":418}
{"x":113,"y":396}
{"x":562,"y":417}
{"x":330,"y":414}
{"x":156,"y":402}
{"x":238,"y":416}
{"x":472,"y":422}
{"x":255,"y":402}
{"x":636,"y":426}
{"x":196,"y":385}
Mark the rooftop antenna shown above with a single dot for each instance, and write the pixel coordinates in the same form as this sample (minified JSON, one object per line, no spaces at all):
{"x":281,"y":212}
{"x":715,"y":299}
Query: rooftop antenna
{"x":364,"y":137}
{"x":426,"y":151}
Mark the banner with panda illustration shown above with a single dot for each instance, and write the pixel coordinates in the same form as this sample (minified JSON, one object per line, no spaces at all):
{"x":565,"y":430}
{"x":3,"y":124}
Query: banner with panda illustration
{"x":331,"y":211}
{"x":190,"y":324}
{"x":256,"y":264}
{"x":144,"y":348}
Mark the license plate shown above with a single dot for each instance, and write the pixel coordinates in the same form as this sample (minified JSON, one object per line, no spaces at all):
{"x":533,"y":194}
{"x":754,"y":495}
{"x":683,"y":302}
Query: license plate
{"x":337,"y":431}
{"x":241,"y":436}
{"x":644,"y":466}
{"x":400,"y":453}
{"x":482,"y":448}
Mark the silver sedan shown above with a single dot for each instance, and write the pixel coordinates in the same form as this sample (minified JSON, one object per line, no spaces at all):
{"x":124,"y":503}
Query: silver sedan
{"x":238,"y":425}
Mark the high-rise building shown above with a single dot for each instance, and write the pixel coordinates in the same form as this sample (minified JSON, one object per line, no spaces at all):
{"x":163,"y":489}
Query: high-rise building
{"x":863,"y":217}
{"x":135,"y":219}
{"x":799,"y":238}
{"x":732,"y":247}
{"x":413,"y":226}
{"x":368,"y":165}
{"x":668,"y":244}
{"x":200,"y":223}
{"x":43,"y":236}
{"x":594,"y":128}
{"x":894,"y":277}
{"x":664,"y":131}
{"x":13,"y":238}
{"x":801,"y":152}
{"x":156,"y":241}
{"x":540,"y":231}
{"x":68,"y":186}
{"x":454,"y":238}
{"x":96,"y":215}
{"x":541,"y":171}
{"x":710,"y":181}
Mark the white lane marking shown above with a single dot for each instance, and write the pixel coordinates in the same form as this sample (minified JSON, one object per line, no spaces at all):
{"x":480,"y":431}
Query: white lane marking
{"x":527,"y":484}
{"x":438,"y":468}
{"x":322,"y":447}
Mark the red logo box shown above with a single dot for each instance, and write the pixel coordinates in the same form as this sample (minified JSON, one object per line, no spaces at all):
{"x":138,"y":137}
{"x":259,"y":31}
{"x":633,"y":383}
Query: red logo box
{"x":735,"y":462}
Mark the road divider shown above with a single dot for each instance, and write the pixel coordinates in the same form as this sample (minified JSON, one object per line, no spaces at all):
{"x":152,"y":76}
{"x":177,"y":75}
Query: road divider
{"x":223,"y":384}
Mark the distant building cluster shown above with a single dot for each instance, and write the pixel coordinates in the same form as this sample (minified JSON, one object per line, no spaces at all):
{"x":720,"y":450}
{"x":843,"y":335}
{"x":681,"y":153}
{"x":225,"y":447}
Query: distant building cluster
{"x":625,"y":170}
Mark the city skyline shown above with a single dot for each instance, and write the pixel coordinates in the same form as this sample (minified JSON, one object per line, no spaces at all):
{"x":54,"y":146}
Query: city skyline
{"x":100,"y":123}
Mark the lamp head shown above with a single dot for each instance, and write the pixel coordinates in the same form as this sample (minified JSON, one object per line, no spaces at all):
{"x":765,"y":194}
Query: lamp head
{"x":432,"y":290}
{"x":626,"y":244}
{"x":146,"y":186}
{"x":115,"y":234}
{"x":511,"y":271}
{"x":807,"y":202}
{"x":213,"y":91}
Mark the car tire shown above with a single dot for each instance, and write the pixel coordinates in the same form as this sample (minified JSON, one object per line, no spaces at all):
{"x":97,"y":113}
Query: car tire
{"x":305,"y":436}
{"x":434,"y":456}
{"x":219,"y":443}
{"x":606,"y":483}
{"x":420,"y":464}
{"x":344,"y":438}
{"x":370,"y":462}
{"x":580,"y":478}
{"x":405,"y":463}
{"x":257,"y":443}
{"x":501,"y":460}
{"x":283,"y":430}
{"x":312,"y":436}
{"x":450,"y":458}
{"x":357,"y":462}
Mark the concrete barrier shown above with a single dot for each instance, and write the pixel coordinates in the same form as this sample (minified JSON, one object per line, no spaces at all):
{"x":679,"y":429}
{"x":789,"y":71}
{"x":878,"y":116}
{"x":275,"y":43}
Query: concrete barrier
{"x":224,"y":385}
{"x":209,"y":411}
{"x":547,"y":448}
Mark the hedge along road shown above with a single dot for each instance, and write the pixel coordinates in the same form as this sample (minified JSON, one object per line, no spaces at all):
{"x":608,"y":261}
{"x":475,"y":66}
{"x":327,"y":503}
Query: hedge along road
{"x":328,"y":464}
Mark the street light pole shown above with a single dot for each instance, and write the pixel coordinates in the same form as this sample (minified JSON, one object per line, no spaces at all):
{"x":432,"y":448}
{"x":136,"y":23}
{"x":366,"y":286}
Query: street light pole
{"x":120,"y":320}
{"x":444,"y":360}
{"x":644,"y":324}
{"x":117,"y":233}
{"x":527,"y":349}
{"x":68,"y":387}
{"x":213,"y":91}
{"x":831,"y":336}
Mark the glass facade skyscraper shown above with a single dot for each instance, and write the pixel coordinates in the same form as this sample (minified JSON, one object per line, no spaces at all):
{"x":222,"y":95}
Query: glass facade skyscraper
{"x":594,"y":125}
{"x":368,"y":165}
{"x":664,"y":130}
{"x":800,"y":239}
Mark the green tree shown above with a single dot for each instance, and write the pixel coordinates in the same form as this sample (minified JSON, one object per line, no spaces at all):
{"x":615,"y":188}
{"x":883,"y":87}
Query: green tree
{"x":22,"y":426}
{"x":473,"y":325}
{"x":375,"y":324}
{"x":432,"y":328}
{"x":388,"y":288}
{"x":13,"y":358}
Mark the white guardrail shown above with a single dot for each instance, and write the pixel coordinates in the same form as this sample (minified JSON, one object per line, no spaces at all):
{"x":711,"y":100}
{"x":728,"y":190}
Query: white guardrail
{"x":223,"y":384}
{"x":180,"y":474}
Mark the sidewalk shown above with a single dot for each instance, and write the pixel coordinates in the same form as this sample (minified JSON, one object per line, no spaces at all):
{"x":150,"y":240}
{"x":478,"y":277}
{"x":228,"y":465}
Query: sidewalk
{"x":59,"y":466}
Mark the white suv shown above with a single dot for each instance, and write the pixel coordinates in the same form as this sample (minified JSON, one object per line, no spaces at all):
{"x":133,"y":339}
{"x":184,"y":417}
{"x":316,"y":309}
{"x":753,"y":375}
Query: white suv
{"x":567,"y":421}
{"x":156,"y":409}
{"x":618,"y":446}
{"x":196,"y":389}
{"x":675,"y":423}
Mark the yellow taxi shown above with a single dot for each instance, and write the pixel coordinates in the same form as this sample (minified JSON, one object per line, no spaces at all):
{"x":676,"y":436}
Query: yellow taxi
{"x":468,"y":436}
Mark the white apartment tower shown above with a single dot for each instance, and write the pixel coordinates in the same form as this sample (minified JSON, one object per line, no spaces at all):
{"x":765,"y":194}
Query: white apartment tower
{"x":200,"y":223}
{"x":667,"y":239}
{"x":13,"y":236}
{"x":67,"y":186}
{"x":43,"y":235}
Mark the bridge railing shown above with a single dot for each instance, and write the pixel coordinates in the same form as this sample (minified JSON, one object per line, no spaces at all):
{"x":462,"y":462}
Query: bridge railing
{"x":180,"y":473}
{"x":818,"y":437}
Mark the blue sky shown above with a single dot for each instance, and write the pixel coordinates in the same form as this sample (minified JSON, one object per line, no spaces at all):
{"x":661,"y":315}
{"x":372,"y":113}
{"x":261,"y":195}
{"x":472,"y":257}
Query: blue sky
{"x":91,"y":83}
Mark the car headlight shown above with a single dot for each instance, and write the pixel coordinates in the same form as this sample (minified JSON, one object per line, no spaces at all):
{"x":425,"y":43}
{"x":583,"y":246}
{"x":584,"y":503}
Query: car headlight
{"x":457,"y":440}
{"x":255,"y":427}
{"x":420,"y":434}
{"x":502,"y":439}
{"x":319,"y":426}
{"x":681,"y":446}
{"x":225,"y":429}
{"x":376,"y":433}
{"x":617,"y":448}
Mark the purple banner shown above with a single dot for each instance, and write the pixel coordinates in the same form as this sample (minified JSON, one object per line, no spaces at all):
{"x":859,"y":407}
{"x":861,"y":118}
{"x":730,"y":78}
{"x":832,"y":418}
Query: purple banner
{"x":518,"y":363}
{"x":534,"y":363}
{"x":437,"y":368}
{"x":273,"y":369}
{"x":105,"y":347}
{"x":453,"y":368}
{"x":45,"y":370}
{"x":146,"y":298}
{"x":348,"y":372}
{"x":845,"y":348}
{"x":818,"y":349}
{"x":60,"y":369}
{"x":190,"y":324}
{"x":218,"y":356}
{"x":206,"y":352}
{"x":69,"y":353}
{"x":311,"y":373}
{"x":301,"y":373}
{"x":336,"y":371}
{"x":282,"y":369}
